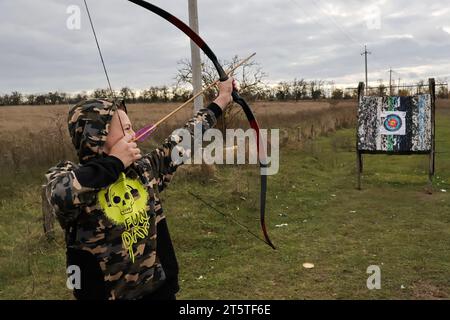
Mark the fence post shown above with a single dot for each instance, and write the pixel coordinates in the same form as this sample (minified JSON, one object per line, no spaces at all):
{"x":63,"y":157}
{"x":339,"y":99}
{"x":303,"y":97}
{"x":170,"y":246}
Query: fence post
{"x":359,"y":160}
{"x":432,"y":156}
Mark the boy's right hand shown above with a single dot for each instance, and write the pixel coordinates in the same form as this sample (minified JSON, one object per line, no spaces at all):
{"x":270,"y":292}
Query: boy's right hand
{"x":126,"y":150}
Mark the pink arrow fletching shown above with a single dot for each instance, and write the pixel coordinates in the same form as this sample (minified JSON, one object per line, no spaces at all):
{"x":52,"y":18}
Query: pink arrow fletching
{"x":143,"y":133}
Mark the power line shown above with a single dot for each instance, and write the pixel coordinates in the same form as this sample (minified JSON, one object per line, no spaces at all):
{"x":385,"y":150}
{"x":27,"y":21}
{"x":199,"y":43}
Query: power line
{"x":336,"y":24}
{"x":307,"y":14}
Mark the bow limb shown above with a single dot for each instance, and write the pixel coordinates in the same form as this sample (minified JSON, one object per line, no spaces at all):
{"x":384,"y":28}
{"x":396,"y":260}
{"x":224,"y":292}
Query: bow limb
{"x":262,"y":157}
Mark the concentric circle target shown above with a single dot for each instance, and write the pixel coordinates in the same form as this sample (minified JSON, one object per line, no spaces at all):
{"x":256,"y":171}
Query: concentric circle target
{"x":393,"y":123}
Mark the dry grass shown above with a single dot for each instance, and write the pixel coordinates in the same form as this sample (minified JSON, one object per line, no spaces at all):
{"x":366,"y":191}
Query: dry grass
{"x":36,"y":118}
{"x":37,"y":135}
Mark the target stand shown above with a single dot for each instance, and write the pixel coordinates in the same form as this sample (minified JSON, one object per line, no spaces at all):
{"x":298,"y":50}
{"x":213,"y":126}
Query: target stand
{"x":396,"y":125}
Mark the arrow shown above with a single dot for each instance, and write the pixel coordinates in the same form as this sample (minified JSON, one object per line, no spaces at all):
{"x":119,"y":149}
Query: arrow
{"x":144,"y":133}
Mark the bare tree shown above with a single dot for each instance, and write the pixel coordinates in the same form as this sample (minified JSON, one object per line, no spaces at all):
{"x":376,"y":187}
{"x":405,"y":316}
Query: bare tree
{"x":316,"y":88}
{"x":180,"y":94}
{"x":420,"y":86}
{"x":381,"y":88}
{"x":100,"y":93}
{"x":15,"y":98}
{"x":283,"y":91}
{"x":128,"y":94}
{"x":250,"y":76}
{"x":337,"y":94}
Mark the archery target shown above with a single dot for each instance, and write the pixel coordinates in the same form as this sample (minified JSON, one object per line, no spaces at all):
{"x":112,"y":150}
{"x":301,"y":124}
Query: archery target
{"x":393,"y":123}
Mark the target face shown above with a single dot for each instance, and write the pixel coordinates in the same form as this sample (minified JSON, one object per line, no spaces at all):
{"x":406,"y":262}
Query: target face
{"x":393,"y":123}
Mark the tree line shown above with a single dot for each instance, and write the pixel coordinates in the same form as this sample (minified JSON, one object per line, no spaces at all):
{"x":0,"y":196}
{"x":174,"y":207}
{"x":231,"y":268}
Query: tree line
{"x":284,"y":91}
{"x":251,"y":78}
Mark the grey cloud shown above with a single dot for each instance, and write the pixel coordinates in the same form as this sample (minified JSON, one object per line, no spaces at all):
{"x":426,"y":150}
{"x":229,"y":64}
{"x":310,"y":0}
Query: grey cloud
{"x":293,"y":39}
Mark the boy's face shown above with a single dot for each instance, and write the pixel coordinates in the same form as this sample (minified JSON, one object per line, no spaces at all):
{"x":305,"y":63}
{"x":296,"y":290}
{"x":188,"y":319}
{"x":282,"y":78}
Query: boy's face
{"x":115,"y":129}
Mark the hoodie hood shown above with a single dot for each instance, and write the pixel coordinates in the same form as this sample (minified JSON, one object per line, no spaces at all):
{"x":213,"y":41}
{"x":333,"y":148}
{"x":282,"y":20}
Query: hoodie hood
{"x":89,"y":123}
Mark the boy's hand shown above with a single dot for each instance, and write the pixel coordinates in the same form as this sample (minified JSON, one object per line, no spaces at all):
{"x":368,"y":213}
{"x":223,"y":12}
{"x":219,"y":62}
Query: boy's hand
{"x":126,"y":151}
{"x":225,"y":90}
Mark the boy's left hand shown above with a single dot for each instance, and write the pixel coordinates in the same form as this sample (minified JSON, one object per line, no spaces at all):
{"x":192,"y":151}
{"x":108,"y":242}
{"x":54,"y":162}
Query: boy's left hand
{"x":225,"y":90}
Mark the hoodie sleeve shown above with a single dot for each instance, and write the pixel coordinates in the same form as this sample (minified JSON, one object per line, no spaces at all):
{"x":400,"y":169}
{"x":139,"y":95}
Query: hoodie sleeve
{"x":70,"y":186}
{"x":159,"y":164}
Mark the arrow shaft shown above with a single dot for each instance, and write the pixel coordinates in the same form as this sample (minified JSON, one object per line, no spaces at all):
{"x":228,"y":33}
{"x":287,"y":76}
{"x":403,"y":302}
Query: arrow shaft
{"x":171,"y":114}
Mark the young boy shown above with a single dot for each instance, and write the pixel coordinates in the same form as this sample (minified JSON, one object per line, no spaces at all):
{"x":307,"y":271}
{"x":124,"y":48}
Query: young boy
{"x":108,"y":204}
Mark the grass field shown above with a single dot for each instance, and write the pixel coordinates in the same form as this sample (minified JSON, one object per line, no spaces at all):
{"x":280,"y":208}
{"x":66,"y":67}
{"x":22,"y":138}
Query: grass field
{"x":12,"y":119}
{"x":322,"y":219}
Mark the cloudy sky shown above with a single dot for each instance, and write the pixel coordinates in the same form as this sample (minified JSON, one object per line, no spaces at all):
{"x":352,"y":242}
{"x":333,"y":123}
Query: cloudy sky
{"x":311,"y":39}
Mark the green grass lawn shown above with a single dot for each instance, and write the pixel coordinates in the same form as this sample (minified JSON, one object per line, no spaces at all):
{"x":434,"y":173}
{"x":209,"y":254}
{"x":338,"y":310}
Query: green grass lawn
{"x":392,"y":223}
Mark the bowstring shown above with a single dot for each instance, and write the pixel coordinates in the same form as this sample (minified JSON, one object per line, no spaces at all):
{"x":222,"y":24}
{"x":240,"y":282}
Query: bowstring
{"x":113,"y":95}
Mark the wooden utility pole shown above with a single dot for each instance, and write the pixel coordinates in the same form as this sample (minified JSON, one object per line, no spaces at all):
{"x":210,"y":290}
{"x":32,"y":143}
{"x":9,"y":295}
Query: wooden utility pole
{"x":195,"y":57}
{"x":365,"y":53}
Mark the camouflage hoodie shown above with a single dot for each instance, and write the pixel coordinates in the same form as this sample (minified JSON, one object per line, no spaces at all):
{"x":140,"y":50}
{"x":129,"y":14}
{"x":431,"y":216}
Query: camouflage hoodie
{"x":116,"y":224}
